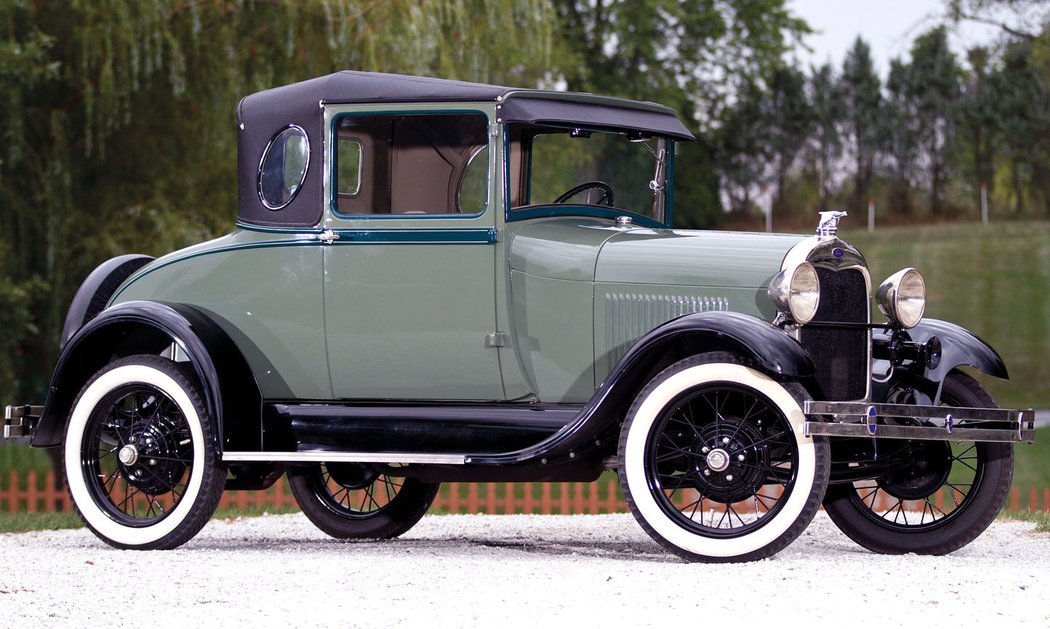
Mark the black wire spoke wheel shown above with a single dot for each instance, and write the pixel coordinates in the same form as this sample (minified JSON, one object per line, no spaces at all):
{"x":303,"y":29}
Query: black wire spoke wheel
{"x":937,"y":486}
{"x":940,"y":500}
{"x":355,"y":500}
{"x":721,"y":460}
{"x":139,"y":457}
{"x":714,"y":464}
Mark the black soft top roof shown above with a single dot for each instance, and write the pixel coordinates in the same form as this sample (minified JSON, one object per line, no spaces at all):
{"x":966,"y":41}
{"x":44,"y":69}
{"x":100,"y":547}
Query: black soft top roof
{"x":517,"y":105}
{"x":261,"y":115}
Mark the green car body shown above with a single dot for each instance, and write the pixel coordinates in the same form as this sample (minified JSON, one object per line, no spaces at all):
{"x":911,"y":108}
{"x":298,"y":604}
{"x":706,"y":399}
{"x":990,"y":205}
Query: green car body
{"x":434,"y":280}
{"x":572,"y":295}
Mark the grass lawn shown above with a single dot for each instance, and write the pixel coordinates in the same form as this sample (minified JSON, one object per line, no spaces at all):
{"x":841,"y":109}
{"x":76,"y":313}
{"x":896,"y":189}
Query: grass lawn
{"x":992,"y":280}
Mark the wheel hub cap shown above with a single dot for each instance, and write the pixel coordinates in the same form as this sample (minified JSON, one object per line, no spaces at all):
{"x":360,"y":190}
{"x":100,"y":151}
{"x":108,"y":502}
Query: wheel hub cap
{"x":730,"y":460}
{"x":718,"y":460}
{"x":128,"y":455}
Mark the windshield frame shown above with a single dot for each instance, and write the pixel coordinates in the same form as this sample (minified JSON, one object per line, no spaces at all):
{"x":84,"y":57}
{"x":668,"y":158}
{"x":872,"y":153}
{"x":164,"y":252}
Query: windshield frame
{"x":526,"y":135}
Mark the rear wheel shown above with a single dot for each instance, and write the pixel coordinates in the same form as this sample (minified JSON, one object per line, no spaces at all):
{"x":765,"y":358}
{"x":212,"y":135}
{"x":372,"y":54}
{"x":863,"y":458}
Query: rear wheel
{"x":139,"y":455}
{"x":948,"y":494}
{"x":355,"y":500}
{"x":714,"y":464}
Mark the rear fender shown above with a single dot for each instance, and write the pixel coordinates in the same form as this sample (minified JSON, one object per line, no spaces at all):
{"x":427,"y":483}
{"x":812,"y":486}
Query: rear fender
{"x":230,"y":393}
{"x":95,"y":291}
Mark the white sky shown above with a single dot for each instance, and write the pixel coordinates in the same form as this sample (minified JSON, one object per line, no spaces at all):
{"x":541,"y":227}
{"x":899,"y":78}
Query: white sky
{"x":889,"y":27}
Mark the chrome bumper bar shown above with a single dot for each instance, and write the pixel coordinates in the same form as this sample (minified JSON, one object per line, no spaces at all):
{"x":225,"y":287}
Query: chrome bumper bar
{"x":938,"y":423}
{"x":20,"y":421}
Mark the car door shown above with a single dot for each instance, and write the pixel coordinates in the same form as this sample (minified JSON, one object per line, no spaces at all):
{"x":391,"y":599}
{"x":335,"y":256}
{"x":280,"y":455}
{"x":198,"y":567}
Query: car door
{"x":410,"y":266}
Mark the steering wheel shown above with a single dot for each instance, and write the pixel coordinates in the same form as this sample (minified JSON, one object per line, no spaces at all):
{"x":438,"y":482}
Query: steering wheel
{"x":606,"y":198}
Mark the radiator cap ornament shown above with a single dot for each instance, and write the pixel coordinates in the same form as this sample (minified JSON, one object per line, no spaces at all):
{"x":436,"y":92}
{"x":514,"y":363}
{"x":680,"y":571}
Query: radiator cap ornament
{"x":829,"y":223}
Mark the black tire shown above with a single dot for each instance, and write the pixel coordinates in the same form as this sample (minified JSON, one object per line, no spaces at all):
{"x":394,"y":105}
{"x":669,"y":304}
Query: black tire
{"x":713,"y":461}
{"x":940,"y":504}
{"x":139,"y":455}
{"x":356,"y":501}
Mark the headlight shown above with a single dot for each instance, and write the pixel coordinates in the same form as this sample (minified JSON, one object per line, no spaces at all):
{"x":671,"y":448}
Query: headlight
{"x":797,"y":292}
{"x":902,"y":298}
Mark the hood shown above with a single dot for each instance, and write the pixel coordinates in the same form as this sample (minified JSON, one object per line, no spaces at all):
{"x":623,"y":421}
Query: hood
{"x":693,"y":258}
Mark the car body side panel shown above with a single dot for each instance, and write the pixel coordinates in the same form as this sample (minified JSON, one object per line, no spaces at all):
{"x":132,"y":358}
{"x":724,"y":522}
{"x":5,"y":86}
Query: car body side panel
{"x":552,"y":334}
{"x":558,"y":248}
{"x":410,"y":320}
{"x":551,"y":265}
{"x":584,"y":291}
{"x":264,"y":288}
{"x":647,"y":277}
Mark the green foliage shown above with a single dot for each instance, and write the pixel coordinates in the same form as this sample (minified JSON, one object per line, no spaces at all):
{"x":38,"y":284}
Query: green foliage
{"x":790,"y":119}
{"x":859,"y":89}
{"x":827,"y":139}
{"x":690,"y":55}
{"x":934,"y":87}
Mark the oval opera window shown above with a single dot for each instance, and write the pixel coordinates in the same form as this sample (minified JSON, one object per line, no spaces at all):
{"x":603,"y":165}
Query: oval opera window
{"x":282,"y":169}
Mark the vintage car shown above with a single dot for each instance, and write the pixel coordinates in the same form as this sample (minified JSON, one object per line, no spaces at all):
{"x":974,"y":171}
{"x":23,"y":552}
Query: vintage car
{"x":434,"y":280}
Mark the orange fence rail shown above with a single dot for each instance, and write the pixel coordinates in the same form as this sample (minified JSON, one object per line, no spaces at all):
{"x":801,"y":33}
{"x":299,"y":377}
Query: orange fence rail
{"x":33,"y":493}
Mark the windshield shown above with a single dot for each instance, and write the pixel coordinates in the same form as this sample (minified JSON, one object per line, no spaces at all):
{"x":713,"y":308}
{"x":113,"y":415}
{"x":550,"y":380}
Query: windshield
{"x":605,"y":170}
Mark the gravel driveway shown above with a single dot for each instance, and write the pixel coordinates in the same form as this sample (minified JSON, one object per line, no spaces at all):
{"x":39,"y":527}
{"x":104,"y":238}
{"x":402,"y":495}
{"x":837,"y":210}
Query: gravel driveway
{"x":512,"y":571}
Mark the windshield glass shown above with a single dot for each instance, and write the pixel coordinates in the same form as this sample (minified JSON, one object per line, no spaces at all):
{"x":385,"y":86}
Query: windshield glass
{"x":605,"y":170}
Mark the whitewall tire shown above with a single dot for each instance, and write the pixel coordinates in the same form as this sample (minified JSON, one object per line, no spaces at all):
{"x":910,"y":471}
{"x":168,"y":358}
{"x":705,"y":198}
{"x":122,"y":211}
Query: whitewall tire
{"x":139,"y":456}
{"x":714,"y":462}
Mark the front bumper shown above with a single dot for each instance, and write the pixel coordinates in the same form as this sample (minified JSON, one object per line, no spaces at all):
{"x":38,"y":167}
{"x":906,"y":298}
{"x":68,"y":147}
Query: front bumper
{"x":907,"y":421}
{"x":21,"y":420}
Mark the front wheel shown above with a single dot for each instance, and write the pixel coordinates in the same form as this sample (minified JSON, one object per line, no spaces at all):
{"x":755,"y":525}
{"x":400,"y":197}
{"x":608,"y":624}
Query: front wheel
{"x":714,"y":464}
{"x":139,"y":455}
{"x":357,"y":501}
{"x":942,"y":500}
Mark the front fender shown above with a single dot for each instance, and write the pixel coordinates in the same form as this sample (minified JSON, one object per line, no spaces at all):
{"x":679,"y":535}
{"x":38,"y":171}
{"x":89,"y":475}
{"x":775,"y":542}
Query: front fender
{"x":959,"y":347}
{"x":772,"y":350}
{"x":144,"y":327}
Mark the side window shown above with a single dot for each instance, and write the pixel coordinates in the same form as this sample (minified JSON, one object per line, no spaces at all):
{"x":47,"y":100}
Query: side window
{"x":411,"y":164}
{"x":348,"y":167}
{"x":283,"y":166}
{"x":474,"y":189}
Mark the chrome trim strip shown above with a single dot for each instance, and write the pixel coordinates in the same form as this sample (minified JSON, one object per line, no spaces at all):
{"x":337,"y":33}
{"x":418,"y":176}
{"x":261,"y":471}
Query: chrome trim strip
{"x":325,"y":456}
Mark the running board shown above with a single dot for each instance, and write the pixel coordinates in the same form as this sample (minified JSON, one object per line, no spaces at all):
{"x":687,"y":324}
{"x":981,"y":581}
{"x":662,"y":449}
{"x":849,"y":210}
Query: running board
{"x":322,"y":456}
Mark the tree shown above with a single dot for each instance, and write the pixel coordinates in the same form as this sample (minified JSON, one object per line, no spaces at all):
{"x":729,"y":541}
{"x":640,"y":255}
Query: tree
{"x":900,"y":136}
{"x":694,"y":55}
{"x":859,"y":91}
{"x":1029,"y":16}
{"x":827,"y":113}
{"x":742,"y":151}
{"x":936,"y":92}
{"x":689,"y":54}
{"x":1023,"y":115}
{"x":789,"y":117}
{"x":978,"y":120}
